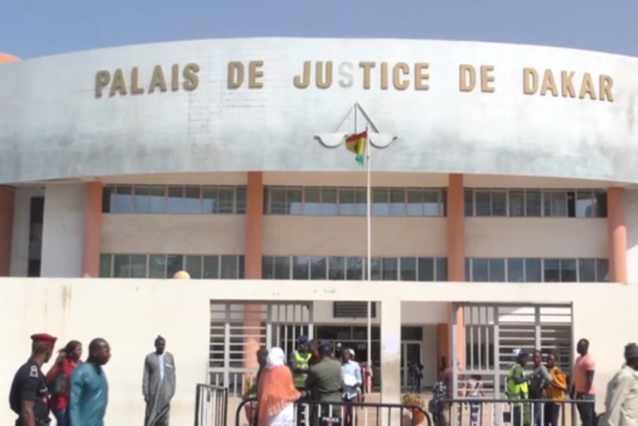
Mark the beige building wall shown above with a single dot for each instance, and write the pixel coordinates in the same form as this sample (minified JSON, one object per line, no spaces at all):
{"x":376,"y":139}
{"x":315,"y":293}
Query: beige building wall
{"x":130,"y":313}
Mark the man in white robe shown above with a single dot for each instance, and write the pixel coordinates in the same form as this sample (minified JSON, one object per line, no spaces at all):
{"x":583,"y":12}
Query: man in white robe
{"x":621,"y":404}
{"x":158,"y":385}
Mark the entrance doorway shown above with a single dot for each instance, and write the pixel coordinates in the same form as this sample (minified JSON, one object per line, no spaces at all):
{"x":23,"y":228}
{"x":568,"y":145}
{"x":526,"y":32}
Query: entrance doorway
{"x":410,"y":352}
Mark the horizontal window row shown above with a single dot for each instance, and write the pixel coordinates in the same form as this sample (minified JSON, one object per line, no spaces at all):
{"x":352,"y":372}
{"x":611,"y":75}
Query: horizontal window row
{"x":354,"y":268}
{"x":535,"y":203}
{"x":345,"y":201}
{"x":536,"y":270}
{"x":153,"y":199}
{"x":165,"y":265}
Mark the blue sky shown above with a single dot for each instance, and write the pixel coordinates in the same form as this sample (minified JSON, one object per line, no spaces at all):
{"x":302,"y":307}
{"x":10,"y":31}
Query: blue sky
{"x":31,"y":28}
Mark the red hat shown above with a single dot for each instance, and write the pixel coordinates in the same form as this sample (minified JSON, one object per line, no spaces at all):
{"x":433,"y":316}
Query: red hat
{"x":44,"y":338}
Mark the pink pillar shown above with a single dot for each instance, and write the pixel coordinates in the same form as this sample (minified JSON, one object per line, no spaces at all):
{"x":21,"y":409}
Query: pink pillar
{"x":92,"y":229}
{"x":7,"y":207}
{"x":617,"y":235}
{"x":456,"y":257}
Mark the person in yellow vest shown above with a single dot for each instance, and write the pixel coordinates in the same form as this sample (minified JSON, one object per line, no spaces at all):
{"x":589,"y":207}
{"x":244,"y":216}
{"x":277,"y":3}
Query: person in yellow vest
{"x":518,"y":390}
{"x":300,"y":364}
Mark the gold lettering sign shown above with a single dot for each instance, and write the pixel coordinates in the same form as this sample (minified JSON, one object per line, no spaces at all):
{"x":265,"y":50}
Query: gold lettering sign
{"x":136,"y":81}
{"x":367,"y":75}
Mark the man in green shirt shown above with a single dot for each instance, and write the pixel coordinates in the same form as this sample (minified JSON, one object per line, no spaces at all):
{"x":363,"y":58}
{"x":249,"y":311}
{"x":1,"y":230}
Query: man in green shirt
{"x":324,"y":383}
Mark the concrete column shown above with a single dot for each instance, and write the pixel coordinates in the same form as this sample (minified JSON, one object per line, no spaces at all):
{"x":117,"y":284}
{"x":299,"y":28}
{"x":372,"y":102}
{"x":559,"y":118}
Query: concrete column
{"x":391,"y":356}
{"x":253,"y":253}
{"x":92,"y":229}
{"x":7,"y":208}
{"x":456,"y":256}
{"x":617,"y":230}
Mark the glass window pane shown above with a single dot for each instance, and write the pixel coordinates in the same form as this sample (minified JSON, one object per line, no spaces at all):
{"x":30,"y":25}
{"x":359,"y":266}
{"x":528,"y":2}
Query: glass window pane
{"x":175,"y":202}
{"x":517,"y":203}
{"x":121,"y":266}
{"x":441,"y":268}
{"x":209,"y":199}
{"x":408,"y":269}
{"x":122,"y":200}
{"x":469,"y":203}
{"x":533,"y":271}
{"x":336,"y":268}
{"x":138,"y":266}
{"x":443,"y":201}
{"x":390,"y":269}
{"x":360,"y":204}
{"x":380,"y":202}
{"x":157,"y":197}
{"x":329,"y":201}
{"x":426,"y":268}
{"x":312,"y":201}
{"x":483,"y":205}
{"x":211,"y":267}
{"x":174,"y":263}
{"x":480,"y":270}
{"x":431,"y":204}
{"x":551,"y":271}
{"x":107,"y":194}
{"x":157,"y":266}
{"x":300,"y":268}
{"x":499,"y":203}
{"x":557,"y":203}
{"x":586,"y":270}
{"x":354,"y":268}
{"x":194,"y":266}
{"x":397,"y":202}
{"x":497,"y":270}
{"x":267,"y":268}
{"x":375,"y":273}
{"x":568,"y":270}
{"x":318,"y":268}
{"x":293,"y":200}
{"x":533,"y":203}
{"x":229,"y":267}
{"x":192,"y":200}
{"x":241,"y":266}
{"x":584,"y":204}
{"x":602,"y":270}
{"x":601,"y":204}
{"x":105,"y":265}
{"x":141,"y":200}
{"x":226,"y":202}
{"x":414,"y":200}
{"x":346,"y":202}
{"x":282,"y":268}
{"x":240,"y":200}
{"x":468,"y":270}
{"x":515,"y":270}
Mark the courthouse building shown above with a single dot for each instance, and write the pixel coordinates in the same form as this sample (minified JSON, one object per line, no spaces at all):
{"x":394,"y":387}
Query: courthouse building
{"x":503,"y":164}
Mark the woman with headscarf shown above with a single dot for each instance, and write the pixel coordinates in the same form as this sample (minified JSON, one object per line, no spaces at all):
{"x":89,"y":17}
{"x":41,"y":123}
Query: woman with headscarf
{"x":276,"y":394}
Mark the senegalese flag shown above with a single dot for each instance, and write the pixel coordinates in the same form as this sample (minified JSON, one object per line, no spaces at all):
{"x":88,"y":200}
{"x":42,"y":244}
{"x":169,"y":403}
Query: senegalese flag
{"x":357,"y":144}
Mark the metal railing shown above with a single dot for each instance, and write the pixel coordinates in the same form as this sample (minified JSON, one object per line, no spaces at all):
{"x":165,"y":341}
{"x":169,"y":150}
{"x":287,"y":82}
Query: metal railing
{"x":497,"y":412}
{"x":211,"y":405}
{"x":316,"y":413}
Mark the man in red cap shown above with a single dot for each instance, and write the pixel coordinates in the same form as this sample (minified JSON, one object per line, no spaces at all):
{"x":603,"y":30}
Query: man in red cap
{"x":29,"y":396}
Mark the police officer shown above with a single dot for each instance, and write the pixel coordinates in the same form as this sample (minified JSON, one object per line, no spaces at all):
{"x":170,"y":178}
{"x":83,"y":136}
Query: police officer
{"x":29,"y":396}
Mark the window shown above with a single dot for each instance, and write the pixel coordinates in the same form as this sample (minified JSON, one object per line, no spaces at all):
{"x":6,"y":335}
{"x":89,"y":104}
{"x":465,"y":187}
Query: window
{"x":326,"y":201}
{"x":582,"y":203}
{"x":153,"y":199}
{"x":536,"y":270}
{"x":164,"y":266}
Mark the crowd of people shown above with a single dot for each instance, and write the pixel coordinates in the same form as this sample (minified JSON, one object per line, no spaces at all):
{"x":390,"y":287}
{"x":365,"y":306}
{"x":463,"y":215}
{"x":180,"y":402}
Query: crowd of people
{"x":76,"y":392}
{"x":314,"y":372}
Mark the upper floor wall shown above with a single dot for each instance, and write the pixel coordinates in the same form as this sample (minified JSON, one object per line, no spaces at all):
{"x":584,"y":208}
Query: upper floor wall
{"x":257,"y":104}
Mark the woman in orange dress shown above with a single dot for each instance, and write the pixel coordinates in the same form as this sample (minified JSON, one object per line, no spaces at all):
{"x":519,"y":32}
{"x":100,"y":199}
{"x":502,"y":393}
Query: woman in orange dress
{"x":276,"y":394}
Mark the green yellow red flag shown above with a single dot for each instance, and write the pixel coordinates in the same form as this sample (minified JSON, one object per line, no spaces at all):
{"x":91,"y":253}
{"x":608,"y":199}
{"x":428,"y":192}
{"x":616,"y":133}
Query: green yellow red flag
{"x":357,"y":144}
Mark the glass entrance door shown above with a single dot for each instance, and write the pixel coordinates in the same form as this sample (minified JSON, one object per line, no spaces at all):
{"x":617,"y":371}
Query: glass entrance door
{"x":410,"y":352}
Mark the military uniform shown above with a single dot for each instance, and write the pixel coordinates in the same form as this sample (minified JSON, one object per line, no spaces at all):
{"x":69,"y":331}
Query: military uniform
{"x":30,"y":384}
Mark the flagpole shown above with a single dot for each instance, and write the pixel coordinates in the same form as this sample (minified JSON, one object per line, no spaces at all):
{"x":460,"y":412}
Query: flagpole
{"x":369,"y":243}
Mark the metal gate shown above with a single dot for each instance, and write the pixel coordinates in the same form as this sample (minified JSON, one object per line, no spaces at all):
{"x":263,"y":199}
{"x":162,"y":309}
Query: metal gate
{"x":236,"y":328}
{"x":494,"y":332}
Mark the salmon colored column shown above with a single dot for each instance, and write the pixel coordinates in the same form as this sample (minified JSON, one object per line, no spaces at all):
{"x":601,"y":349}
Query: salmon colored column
{"x":92,"y":229}
{"x":456,"y":257}
{"x":7,"y":207}
{"x":253,"y":252}
{"x":617,"y":235}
